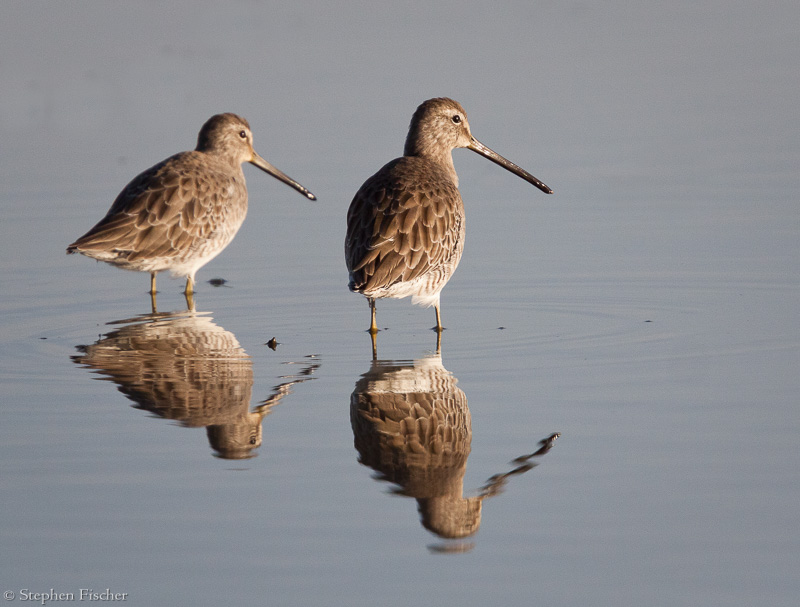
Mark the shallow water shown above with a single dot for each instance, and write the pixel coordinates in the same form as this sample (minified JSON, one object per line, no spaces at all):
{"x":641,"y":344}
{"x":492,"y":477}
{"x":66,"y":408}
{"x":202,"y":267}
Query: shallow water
{"x":647,"y":312}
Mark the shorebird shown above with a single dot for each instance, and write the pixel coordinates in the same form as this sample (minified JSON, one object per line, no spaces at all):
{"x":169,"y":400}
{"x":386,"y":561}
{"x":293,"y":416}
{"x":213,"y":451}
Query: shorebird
{"x":405,"y":226}
{"x":181,"y":213}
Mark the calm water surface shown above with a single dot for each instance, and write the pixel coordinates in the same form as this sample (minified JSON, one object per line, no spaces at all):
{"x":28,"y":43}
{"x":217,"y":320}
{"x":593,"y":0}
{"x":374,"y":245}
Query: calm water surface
{"x":647,"y":312}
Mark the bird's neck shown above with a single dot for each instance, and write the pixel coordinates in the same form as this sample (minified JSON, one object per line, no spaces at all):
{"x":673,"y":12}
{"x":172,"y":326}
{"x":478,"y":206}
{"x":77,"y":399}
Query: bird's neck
{"x":433,"y":152}
{"x":223,"y":155}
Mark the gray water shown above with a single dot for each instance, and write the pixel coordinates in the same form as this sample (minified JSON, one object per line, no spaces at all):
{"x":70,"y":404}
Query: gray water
{"x":647,"y":311}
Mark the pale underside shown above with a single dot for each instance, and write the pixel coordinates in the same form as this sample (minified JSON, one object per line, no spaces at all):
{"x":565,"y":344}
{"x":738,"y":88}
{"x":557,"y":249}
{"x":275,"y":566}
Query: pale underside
{"x":405,"y":232}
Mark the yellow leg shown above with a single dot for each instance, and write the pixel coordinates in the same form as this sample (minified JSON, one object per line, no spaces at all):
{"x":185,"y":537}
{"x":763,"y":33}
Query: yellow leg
{"x":373,"y":327}
{"x":439,"y":328}
{"x":188,"y":293}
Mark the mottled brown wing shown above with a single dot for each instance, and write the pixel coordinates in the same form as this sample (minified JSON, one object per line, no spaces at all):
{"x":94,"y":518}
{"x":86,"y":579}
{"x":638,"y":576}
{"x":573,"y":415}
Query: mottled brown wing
{"x":402,"y":223}
{"x":173,"y":206}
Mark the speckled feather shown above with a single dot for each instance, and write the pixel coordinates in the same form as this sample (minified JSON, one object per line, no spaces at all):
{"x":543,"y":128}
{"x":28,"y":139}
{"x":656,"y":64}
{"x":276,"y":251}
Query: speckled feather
{"x":182,"y":212}
{"x":182,"y":207}
{"x":406,"y":222}
{"x":405,"y":225}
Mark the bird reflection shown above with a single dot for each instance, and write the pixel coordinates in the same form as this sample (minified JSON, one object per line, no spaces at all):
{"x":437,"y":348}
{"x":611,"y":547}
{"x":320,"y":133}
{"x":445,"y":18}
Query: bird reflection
{"x":186,"y":368}
{"x":412,"y":425}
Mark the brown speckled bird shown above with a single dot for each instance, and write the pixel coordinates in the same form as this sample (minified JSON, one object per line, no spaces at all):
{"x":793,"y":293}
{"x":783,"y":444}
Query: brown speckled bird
{"x":182,"y":212}
{"x":405,"y":226}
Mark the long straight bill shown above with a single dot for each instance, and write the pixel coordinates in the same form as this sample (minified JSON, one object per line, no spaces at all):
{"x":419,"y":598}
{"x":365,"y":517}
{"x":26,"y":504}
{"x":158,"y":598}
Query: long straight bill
{"x":268,"y":168}
{"x":477,"y":146}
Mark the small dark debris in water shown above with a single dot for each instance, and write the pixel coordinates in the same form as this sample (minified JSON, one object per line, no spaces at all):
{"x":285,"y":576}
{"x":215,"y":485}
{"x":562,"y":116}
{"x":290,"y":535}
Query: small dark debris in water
{"x":217,"y":282}
{"x":648,"y":321}
{"x":272,"y":344}
{"x":42,"y":338}
{"x":501,"y":328}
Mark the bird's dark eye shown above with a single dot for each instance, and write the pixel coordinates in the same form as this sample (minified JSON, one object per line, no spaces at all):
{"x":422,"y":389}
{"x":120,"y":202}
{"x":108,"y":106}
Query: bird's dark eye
{"x":456,"y":119}
{"x":243,"y":134}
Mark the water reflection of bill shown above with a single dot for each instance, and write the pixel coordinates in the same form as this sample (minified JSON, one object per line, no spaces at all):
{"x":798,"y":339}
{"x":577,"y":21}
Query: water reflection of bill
{"x":186,"y":368}
{"x":412,"y":425}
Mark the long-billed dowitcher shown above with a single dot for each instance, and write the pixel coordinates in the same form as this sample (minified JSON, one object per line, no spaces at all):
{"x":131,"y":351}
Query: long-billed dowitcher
{"x":181,"y":213}
{"x":405,"y":226}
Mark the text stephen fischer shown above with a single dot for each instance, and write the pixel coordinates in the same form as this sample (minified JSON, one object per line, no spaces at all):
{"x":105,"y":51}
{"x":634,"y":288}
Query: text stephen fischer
{"x":83,"y":594}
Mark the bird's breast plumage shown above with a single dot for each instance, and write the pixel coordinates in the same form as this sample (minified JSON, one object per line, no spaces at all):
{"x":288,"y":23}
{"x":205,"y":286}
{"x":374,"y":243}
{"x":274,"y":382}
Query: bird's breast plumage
{"x":405,"y":223}
{"x":186,"y":207}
